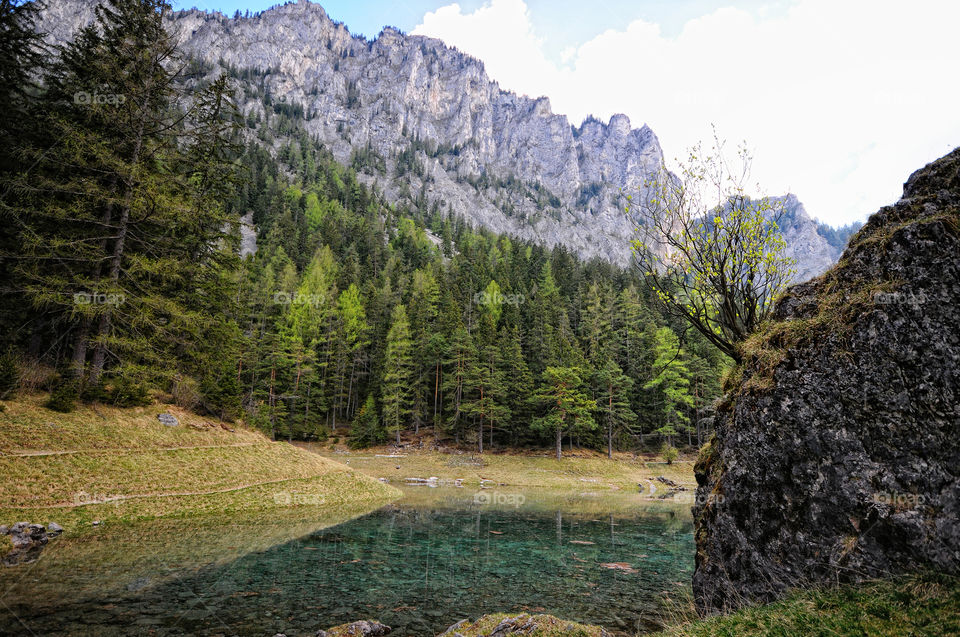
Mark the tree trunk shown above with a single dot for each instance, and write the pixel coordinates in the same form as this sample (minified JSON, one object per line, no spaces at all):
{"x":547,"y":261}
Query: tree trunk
{"x":610,"y":425}
{"x":559,"y":442}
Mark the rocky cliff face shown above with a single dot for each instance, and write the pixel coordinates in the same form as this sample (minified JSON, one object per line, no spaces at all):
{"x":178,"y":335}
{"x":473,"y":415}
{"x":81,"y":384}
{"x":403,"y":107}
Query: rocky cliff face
{"x":836,"y":455}
{"x":431,"y":124}
{"x":804,"y":241}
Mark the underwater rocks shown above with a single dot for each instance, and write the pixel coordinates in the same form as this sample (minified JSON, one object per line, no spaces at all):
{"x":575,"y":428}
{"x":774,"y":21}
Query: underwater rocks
{"x":362,"y":628}
{"x":28,"y":541}
{"x":836,"y":456}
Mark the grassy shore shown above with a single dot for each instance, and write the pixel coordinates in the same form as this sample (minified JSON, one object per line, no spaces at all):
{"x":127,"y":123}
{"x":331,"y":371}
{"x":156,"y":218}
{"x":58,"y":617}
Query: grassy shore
{"x":907,"y":606}
{"x":103,"y":463}
{"x":580,"y":471}
{"x":927,"y":604}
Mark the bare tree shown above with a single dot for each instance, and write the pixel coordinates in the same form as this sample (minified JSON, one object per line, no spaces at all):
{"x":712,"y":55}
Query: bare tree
{"x":713,"y":255}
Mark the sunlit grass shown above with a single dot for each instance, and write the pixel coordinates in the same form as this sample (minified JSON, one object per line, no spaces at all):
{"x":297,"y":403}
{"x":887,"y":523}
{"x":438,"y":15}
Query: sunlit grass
{"x":585,"y":473}
{"x":27,"y":427}
{"x":122,"y":465}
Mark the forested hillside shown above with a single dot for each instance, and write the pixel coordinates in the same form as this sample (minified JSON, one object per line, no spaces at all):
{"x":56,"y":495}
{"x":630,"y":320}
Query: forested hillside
{"x":124,"y":181}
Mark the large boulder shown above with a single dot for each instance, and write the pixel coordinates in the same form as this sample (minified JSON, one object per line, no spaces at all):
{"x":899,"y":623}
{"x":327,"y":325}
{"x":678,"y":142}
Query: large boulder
{"x":837,"y":447}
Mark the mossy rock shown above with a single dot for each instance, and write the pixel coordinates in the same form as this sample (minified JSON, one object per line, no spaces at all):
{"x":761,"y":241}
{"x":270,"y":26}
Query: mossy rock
{"x":523,"y":624}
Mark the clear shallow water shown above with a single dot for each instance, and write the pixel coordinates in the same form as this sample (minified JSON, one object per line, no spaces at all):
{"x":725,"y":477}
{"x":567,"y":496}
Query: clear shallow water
{"x":419,"y":565}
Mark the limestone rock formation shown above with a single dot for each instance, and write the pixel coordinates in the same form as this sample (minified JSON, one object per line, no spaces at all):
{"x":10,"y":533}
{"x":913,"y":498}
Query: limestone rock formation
{"x":804,"y":240}
{"x":426,"y":124}
{"x":836,"y":455}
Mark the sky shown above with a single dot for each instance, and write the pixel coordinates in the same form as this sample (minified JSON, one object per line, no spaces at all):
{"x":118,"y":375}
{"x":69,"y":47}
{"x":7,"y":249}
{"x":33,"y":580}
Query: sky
{"x":838,"y":100}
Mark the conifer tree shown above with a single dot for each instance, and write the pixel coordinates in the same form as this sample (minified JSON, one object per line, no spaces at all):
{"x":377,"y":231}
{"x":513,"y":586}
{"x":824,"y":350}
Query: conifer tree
{"x":567,"y":407}
{"x":613,"y":401}
{"x":366,"y":430}
{"x":672,"y":383}
{"x":459,"y":365}
{"x":397,"y":376}
{"x":486,"y":398}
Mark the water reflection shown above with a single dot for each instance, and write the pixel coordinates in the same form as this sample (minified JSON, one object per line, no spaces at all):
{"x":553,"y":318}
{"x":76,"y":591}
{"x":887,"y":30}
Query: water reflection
{"x":437,"y":556}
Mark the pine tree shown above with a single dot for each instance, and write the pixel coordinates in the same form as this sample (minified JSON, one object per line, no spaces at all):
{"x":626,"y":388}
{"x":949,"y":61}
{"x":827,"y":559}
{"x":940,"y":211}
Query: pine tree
{"x":672,"y":383}
{"x":366,"y":429}
{"x":613,"y":401}
{"x":459,"y":365}
{"x":518,"y":382}
{"x":486,"y":395}
{"x":567,"y":406}
{"x":353,"y":319}
{"x":397,"y":377}
{"x":115,"y":220}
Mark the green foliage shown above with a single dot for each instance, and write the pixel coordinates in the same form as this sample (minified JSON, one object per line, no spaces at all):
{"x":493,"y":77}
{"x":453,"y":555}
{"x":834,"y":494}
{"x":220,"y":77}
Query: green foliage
{"x":671,"y":383}
{"x":128,"y":392}
{"x":64,"y":397}
{"x":9,"y":375}
{"x":613,"y":403}
{"x":366,"y":429}
{"x":669,"y":453}
{"x":567,"y":409}
{"x":713,"y":256}
{"x":351,"y":310}
{"x":397,"y":375}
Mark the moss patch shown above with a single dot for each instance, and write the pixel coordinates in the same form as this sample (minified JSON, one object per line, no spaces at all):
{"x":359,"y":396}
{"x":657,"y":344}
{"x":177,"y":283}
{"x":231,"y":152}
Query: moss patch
{"x":911,"y":605}
{"x":523,"y":624}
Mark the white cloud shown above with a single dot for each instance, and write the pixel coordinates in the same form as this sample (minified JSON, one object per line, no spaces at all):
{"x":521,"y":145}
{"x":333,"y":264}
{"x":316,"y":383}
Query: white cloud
{"x":838,"y":100}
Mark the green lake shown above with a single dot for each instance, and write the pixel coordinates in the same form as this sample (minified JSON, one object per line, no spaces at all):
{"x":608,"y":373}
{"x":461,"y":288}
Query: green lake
{"x":420,"y":564}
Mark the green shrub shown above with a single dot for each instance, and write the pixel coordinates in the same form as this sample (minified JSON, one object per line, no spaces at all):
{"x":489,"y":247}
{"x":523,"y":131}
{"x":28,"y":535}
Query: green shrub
{"x":64,"y":396}
{"x":96,"y":393}
{"x":125,"y":392}
{"x":9,"y":375}
{"x":669,"y":453}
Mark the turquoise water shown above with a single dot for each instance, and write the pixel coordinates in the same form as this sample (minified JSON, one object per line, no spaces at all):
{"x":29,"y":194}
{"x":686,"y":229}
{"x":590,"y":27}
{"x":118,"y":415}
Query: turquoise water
{"x":419,"y":565}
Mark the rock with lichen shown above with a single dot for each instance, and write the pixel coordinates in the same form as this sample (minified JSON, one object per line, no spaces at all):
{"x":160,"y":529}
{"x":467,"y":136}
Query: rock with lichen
{"x":836,"y":455}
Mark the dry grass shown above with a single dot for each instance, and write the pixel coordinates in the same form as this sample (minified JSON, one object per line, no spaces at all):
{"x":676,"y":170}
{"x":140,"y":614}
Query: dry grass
{"x":28,"y":427}
{"x":122,"y":464}
{"x":587,"y":471}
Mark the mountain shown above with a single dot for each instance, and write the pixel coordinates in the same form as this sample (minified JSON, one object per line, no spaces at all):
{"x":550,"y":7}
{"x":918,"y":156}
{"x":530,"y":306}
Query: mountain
{"x":836,"y":456}
{"x":425,"y":124}
{"x":815,"y":246}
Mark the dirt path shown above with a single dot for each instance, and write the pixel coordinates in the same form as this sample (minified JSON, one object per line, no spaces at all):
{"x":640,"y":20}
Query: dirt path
{"x":63,"y":452}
